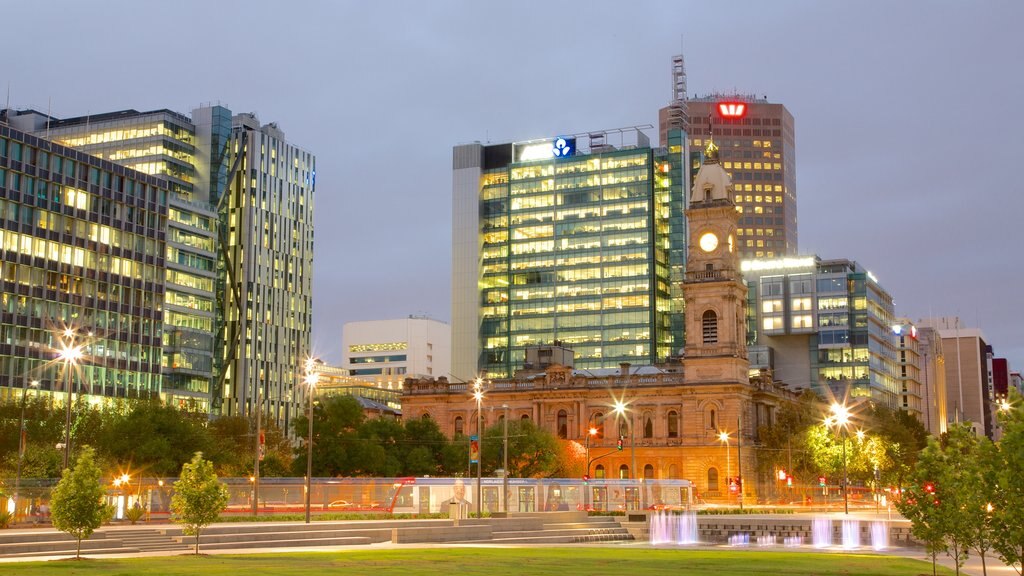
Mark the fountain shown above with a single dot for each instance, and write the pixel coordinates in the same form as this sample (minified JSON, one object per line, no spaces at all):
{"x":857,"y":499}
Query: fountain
{"x":851,"y":534}
{"x":879,"y":535}
{"x":668,"y":528}
{"x":741,"y":539}
{"x":768,"y":540}
{"x":793,"y":541}
{"x":821,"y":532}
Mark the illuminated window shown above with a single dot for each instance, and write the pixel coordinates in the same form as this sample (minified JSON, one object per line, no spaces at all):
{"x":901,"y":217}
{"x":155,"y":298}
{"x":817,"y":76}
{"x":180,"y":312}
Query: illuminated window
{"x":802,"y":321}
{"x":772,"y":323}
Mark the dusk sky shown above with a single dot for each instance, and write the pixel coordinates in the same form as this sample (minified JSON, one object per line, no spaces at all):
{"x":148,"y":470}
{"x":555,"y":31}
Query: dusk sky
{"x":908,"y":118}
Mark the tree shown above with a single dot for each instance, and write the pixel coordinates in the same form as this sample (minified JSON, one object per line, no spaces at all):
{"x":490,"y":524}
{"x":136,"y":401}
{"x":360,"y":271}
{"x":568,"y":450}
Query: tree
{"x":77,"y":501}
{"x":336,"y":421}
{"x":1008,"y":504}
{"x":532,"y":452}
{"x":920,"y":501}
{"x":198,"y":497}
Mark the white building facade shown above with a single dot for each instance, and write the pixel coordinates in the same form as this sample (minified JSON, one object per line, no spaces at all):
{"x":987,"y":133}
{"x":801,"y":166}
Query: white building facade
{"x":386,"y":352}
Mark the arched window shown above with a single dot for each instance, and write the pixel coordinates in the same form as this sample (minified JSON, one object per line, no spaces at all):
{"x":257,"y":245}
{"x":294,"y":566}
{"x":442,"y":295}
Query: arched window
{"x":709,"y":323}
{"x":713,"y":479}
{"x":597,"y":421}
{"x":673,"y":471}
{"x":649,"y":472}
{"x":713,"y":421}
{"x":458,"y":425}
{"x":673,"y":424}
{"x":648,"y":427}
{"x":599,"y":471}
{"x":623,"y":472}
{"x":563,"y":424}
{"x":525,"y":418}
{"x":623,"y":428}
{"x":426,"y":416}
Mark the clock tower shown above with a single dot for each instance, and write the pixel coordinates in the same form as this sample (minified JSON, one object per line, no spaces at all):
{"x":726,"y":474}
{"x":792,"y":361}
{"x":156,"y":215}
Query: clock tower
{"x":716,"y":297}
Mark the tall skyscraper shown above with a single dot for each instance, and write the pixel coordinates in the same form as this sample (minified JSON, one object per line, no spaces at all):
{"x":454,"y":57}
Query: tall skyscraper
{"x":265,"y":283}
{"x":238,"y":252}
{"x":82,"y":246}
{"x":575,"y":241}
{"x":757,"y":141}
{"x":164,"y":144}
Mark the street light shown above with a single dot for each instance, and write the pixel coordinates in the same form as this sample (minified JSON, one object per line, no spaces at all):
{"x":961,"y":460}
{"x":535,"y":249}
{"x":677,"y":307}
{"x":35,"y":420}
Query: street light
{"x":69,"y":354}
{"x":620,"y":408}
{"x":478,"y":395}
{"x":21,"y":445}
{"x":312,"y":379}
{"x":841,"y":417}
{"x":504,"y":458}
{"x":723,"y":436}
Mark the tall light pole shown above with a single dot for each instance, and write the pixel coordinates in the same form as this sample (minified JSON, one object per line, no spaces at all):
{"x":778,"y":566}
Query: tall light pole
{"x":312,"y":379}
{"x":504,"y":460}
{"x":69,"y":355}
{"x":620,"y":410}
{"x":724,"y":437}
{"x":478,"y":395}
{"x":841,"y":417}
{"x":21,"y":445}
{"x":739,"y":458}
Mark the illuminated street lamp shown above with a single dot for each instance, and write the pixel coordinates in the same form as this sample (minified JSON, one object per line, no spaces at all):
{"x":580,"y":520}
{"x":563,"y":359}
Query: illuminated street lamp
{"x":312,"y":379}
{"x":478,"y":395}
{"x":723,"y":436}
{"x":620,"y":408}
{"x":841,"y":417}
{"x":69,"y":355}
{"x":21,"y":447}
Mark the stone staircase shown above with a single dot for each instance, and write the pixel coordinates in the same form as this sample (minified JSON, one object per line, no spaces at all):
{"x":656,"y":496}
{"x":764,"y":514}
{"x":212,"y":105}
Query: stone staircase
{"x":544,"y":528}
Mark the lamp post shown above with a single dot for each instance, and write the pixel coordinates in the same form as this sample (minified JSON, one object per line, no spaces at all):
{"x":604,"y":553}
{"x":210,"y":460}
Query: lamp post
{"x":841,"y":417}
{"x":723,"y":436}
{"x":21,"y":445}
{"x":504,"y":459}
{"x":69,"y":355}
{"x":620,"y":410}
{"x":312,"y":379}
{"x":478,"y":395}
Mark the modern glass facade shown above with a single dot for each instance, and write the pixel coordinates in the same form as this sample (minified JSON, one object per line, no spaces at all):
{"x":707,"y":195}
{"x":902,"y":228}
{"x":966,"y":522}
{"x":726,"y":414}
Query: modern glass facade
{"x":265,"y":283}
{"x":165,"y":144}
{"x":829,"y":316}
{"x":579,"y":251}
{"x":82,"y":248}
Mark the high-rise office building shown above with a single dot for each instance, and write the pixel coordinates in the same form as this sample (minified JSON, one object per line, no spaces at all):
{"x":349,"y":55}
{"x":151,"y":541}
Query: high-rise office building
{"x":82,"y":246}
{"x":970,"y":394}
{"x":824,"y":325}
{"x":265,"y":285}
{"x":238,"y":247}
{"x":575,"y":241}
{"x":757,"y":141}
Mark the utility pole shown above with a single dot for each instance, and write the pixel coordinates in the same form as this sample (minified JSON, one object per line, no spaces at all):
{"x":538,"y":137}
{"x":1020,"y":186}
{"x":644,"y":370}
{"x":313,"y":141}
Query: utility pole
{"x":504,"y":463}
{"x":739,"y":452}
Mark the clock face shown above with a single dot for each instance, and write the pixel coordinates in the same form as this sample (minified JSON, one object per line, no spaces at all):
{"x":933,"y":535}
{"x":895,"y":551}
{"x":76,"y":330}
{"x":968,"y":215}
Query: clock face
{"x":708,"y":241}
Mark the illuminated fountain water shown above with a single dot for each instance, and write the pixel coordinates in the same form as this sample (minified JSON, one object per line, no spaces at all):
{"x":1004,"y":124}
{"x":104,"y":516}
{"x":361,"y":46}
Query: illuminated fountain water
{"x":741,"y":539}
{"x":821,"y":532}
{"x":668,"y":528}
{"x":879,"y":535}
{"x":851,"y":534}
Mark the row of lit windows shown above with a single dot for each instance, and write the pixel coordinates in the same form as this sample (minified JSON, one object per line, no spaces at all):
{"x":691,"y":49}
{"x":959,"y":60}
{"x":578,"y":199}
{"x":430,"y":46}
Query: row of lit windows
{"x":758,"y":232}
{"x":188,"y":301}
{"x":58,"y":252}
{"x":92,"y":378}
{"x":758,"y":198}
{"x":378,"y":347}
{"x":157,"y":128}
{"x":74,"y":285}
{"x":100,"y":322}
{"x":752,"y":165}
{"x":590,"y":164}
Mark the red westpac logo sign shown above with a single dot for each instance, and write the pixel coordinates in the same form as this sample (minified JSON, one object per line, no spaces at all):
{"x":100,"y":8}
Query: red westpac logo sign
{"x":732,"y":109}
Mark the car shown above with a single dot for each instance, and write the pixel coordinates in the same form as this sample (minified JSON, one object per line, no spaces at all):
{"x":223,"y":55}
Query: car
{"x":341,"y":504}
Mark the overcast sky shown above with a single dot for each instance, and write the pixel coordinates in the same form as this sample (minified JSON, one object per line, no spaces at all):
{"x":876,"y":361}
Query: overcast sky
{"x":908,"y":118}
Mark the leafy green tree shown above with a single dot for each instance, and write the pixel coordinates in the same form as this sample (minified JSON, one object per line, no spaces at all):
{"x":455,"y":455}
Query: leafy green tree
{"x":156,"y":437}
{"x":1008,"y":503}
{"x":427,"y":445}
{"x":77,"y":501}
{"x":921,"y":501}
{"x":532,"y":452}
{"x":337,"y":449}
{"x":198,"y":497}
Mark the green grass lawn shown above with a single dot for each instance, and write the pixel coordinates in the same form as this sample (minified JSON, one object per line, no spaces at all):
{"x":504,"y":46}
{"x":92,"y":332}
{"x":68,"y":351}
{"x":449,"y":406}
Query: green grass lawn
{"x":493,"y":562}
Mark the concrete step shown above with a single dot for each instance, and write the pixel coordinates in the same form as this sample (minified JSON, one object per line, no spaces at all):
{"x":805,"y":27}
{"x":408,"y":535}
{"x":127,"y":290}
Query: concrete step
{"x":71,"y":552}
{"x":285,"y":543}
{"x":58,"y":546}
{"x":566,"y":532}
{"x":377,"y":535}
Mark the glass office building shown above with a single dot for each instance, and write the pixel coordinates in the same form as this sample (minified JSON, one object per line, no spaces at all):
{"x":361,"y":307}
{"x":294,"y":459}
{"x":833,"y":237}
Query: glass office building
{"x":164,"y":143}
{"x":82,"y":248}
{"x":823,"y":324}
{"x":556,"y":245}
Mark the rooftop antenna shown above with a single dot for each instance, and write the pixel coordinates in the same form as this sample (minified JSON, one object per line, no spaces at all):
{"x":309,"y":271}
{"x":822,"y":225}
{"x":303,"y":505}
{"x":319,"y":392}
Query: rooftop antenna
{"x":49,"y":102}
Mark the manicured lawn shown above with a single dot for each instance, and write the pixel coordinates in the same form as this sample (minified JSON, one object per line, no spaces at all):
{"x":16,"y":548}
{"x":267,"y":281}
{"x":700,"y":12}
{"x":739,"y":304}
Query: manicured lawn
{"x":493,"y":562}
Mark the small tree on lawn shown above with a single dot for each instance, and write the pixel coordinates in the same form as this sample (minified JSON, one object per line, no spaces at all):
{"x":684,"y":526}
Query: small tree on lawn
{"x":198,"y":497}
{"x":77,"y":501}
{"x":920,"y":501}
{"x":1009,"y":492}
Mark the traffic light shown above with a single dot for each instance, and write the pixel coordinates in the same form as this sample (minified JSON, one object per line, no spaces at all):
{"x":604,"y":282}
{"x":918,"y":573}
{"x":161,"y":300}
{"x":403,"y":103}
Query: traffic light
{"x":733,"y":484}
{"x":821,"y":481}
{"x":618,"y":445}
{"x":929,"y":487}
{"x":789,"y":481}
{"x":586,"y":478}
